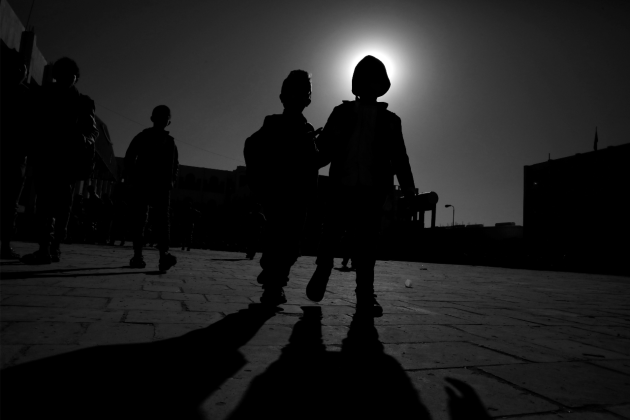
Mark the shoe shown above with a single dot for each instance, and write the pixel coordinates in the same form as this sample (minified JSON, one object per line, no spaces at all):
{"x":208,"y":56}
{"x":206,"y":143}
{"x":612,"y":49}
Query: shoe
{"x":137,"y":262}
{"x":167,"y":260}
{"x":37,"y":258}
{"x":316,"y":288}
{"x":273,"y":296}
{"x":9,"y":254}
{"x":367,"y":305}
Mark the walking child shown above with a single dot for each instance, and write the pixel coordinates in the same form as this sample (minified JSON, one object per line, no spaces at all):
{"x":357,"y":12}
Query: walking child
{"x":282,"y":172}
{"x":151,"y":165}
{"x":363,"y":143}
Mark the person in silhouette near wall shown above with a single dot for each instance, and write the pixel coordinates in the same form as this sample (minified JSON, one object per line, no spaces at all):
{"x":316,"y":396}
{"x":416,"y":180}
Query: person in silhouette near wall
{"x":282,"y":171}
{"x":151,"y":165}
{"x":63,"y":152}
{"x":363,"y":143}
{"x":192,"y":216}
{"x":15,"y":134}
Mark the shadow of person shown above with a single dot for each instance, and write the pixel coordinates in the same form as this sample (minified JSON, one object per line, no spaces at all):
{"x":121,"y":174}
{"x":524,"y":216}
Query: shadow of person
{"x":164,"y":379}
{"x":309,"y":382}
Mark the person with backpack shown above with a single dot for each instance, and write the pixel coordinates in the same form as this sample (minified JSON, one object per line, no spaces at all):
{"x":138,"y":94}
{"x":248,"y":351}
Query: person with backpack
{"x":150,"y":172}
{"x":63,"y":151}
{"x":363,"y":142}
{"x":282,"y":170}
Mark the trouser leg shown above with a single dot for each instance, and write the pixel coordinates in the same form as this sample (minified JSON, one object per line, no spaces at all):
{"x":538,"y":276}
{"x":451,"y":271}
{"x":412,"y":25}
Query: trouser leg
{"x":11,"y":184}
{"x":162,"y":231}
{"x":138,"y":214}
{"x":54,"y":205}
{"x":369,"y":211}
{"x":285,"y":224}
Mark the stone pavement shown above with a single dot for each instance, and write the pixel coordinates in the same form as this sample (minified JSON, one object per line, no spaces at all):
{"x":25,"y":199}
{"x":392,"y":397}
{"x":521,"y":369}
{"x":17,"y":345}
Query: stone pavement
{"x":529,"y":344}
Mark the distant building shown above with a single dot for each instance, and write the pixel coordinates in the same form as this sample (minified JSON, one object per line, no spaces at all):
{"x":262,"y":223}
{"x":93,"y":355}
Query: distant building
{"x":575,"y":209}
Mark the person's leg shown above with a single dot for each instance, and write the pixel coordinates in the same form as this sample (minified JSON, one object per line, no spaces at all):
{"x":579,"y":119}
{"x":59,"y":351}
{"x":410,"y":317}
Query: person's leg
{"x":11,"y":184}
{"x":45,"y":188}
{"x":63,"y":208}
{"x":138,"y":214}
{"x":368,"y":210}
{"x":336,"y":220}
{"x":161,"y":206}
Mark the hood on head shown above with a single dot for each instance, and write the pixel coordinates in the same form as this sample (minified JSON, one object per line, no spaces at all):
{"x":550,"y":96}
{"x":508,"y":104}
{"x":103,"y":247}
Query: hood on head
{"x":370,"y":78}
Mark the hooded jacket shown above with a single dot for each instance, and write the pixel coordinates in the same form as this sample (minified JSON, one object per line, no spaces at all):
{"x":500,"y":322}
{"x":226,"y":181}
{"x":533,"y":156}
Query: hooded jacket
{"x":388,"y":155}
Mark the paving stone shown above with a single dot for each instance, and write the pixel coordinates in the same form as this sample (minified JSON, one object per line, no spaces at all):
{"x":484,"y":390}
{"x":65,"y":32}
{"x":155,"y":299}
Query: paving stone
{"x":573,"y":384}
{"x":13,"y":289}
{"x":145,"y":304}
{"x":578,"y":350}
{"x":499,"y":398}
{"x":583,"y":415}
{"x":420,"y":334}
{"x":182,"y":296}
{"x":412,"y":319}
{"x":43,"y":333}
{"x":32,"y":313}
{"x":151,"y":288}
{"x":622,"y":410}
{"x":444,"y":355}
{"x":622,"y":366}
{"x":56,"y":301}
{"x":229,"y":299}
{"x":195,"y":306}
{"x":9,"y":353}
{"x":114,"y":293}
{"x":105,"y":333}
{"x":98,"y":283}
{"x":171,"y":317}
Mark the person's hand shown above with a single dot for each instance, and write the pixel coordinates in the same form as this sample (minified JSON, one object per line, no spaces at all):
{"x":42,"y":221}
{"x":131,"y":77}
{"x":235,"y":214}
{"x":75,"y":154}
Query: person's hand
{"x":313,"y":134}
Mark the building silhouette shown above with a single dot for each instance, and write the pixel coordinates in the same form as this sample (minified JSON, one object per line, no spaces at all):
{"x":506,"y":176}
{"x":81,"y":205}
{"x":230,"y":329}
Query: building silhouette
{"x":575,"y":210}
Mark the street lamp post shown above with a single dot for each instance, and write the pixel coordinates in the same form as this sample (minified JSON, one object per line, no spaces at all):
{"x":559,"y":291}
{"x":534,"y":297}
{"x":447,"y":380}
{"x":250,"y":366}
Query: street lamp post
{"x":450,"y":205}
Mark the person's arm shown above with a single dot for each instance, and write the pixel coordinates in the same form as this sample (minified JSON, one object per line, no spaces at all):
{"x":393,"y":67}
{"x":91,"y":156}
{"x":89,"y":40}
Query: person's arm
{"x":175,"y":164}
{"x":130,"y":158}
{"x":87,"y":120}
{"x":400,"y":160}
{"x":326,"y":140}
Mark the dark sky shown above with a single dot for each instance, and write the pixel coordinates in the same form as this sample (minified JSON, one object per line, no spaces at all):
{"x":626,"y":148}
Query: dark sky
{"x":483,"y":87}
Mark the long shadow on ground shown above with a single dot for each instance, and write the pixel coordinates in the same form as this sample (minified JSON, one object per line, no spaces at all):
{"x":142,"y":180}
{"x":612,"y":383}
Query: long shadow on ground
{"x":358,"y":382}
{"x":167,"y":379}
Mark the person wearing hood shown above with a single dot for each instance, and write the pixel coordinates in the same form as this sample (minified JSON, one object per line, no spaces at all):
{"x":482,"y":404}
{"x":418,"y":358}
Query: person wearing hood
{"x":151,"y":165}
{"x":63,"y":152}
{"x":363,"y":142}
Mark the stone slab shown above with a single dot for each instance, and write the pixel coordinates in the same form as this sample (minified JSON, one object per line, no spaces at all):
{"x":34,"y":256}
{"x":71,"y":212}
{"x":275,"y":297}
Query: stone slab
{"x":573,"y":384}
{"x":43,"y":333}
{"x":106,"y":333}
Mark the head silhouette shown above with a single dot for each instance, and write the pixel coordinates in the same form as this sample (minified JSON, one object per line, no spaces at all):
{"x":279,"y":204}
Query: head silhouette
{"x":296,"y":91}
{"x":14,"y":71}
{"x":370,"y":80}
{"x":66,"y":72}
{"x":161,"y":116}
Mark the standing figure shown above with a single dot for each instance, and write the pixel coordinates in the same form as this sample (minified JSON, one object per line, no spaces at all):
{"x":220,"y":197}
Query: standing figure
{"x":15,"y":110}
{"x":63,"y":152}
{"x":282,"y":170}
{"x":151,"y":165}
{"x":364,"y":144}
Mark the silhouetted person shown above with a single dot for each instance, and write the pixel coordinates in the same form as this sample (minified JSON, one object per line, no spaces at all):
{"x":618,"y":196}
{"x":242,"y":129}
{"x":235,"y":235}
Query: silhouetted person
{"x":63,"y":153}
{"x":151,"y":165}
{"x":191,"y":216}
{"x":255,"y":224}
{"x":15,"y":134}
{"x":363,"y":142}
{"x":281,"y":161}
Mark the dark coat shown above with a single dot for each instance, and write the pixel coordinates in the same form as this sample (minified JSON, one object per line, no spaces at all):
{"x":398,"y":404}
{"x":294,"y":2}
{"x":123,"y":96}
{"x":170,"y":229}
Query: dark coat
{"x":66,"y":132}
{"x":281,"y":160}
{"x":389,"y":153}
{"x":152,"y":161}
